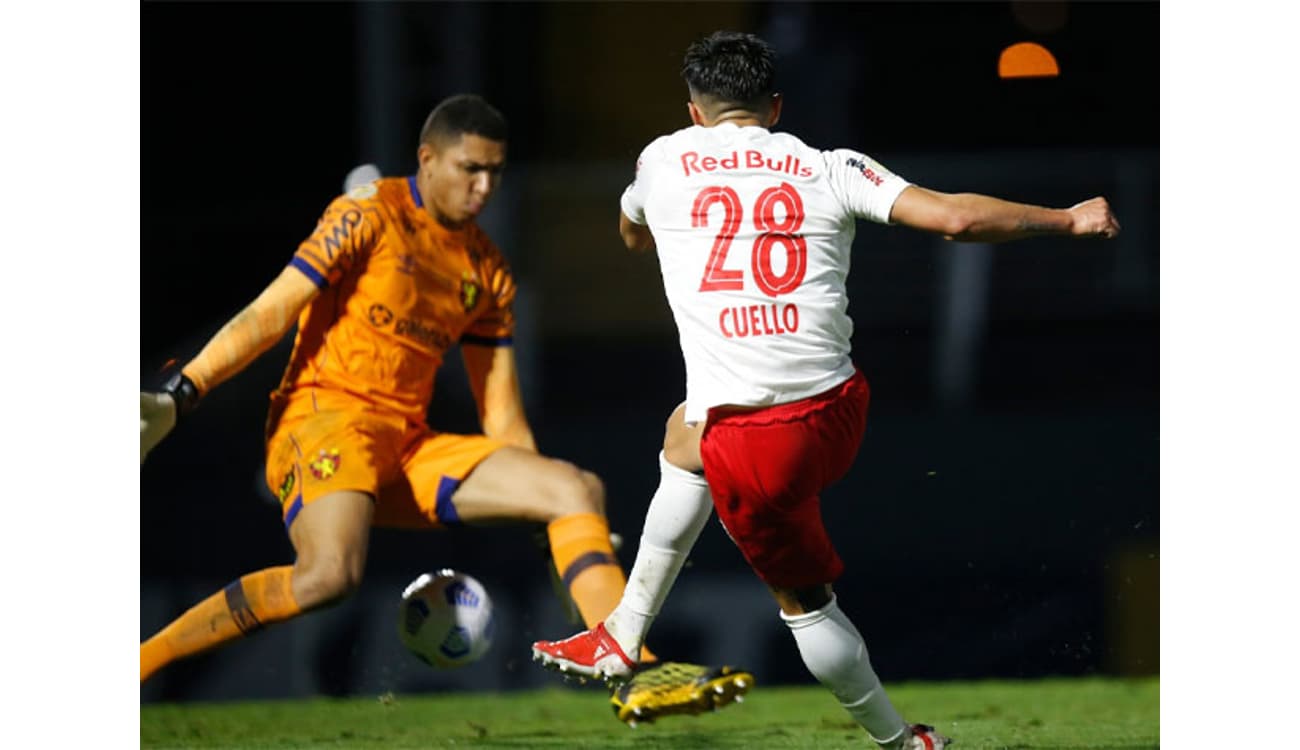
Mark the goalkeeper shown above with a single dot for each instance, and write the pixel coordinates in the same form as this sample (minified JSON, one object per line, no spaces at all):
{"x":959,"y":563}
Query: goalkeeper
{"x":395,"y":273}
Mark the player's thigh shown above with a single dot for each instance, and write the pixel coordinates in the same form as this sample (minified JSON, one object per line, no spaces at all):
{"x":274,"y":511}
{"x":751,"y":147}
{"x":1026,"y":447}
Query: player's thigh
{"x":450,"y":479}
{"x":335,"y":529}
{"x":789,"y":452}
{"x":766,"y":470}
{"x":517,"y":485}
{"x":682,"y":441}
{"x":514,"y":484}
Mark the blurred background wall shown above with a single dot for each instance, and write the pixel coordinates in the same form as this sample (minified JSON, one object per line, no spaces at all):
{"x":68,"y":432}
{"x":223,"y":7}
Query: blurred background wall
{"x":1003,"y":517}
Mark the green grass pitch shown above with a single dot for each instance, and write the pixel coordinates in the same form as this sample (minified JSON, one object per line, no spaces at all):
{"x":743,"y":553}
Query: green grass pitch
{"x":1091,"y":713}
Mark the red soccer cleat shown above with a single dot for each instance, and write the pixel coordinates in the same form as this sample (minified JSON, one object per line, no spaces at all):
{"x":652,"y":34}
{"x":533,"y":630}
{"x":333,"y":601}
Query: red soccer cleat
{"x":923,"y":737}
{"x":591,"y":653}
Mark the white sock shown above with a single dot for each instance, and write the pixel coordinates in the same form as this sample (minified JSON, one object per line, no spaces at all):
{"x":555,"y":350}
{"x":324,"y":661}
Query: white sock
{"x":835,"y":653}
{"x":677,"y":513}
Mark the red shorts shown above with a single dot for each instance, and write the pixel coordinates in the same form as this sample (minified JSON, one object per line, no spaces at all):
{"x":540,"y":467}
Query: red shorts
{"x":766,"y":469}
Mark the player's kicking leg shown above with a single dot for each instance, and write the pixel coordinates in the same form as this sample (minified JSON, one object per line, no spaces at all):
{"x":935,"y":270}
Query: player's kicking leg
{"x":678,"y":511}
{"x":610,"y":649}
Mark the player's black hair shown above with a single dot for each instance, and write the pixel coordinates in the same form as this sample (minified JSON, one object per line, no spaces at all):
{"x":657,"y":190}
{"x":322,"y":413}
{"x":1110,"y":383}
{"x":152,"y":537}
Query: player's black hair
{"x":461,"y":114}
{"x":730,"y":67}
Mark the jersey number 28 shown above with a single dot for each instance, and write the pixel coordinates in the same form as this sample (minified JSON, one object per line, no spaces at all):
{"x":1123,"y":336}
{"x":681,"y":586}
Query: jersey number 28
{"x":772,"y":232}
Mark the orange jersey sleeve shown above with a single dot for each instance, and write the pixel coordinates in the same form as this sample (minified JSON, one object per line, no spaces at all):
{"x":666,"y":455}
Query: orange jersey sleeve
{"x":344,"y":236}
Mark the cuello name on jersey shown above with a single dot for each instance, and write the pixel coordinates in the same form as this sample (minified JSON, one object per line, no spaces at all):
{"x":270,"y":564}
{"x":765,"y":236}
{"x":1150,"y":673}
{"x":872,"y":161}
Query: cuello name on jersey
{"x":693,"y":163}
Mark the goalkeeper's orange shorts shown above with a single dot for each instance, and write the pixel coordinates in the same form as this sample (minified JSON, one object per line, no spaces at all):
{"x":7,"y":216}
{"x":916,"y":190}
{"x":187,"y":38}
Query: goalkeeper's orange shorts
{"x":321,"y":443}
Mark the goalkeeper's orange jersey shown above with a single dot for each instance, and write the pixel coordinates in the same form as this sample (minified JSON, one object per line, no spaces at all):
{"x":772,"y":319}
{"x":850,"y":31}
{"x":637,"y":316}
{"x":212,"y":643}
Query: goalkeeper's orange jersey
{"x":397,"y":290}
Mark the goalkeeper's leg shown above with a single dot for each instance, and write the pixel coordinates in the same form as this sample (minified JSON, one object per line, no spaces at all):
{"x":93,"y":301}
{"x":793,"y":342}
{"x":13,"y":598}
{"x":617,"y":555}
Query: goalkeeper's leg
{"x":330,"y":536}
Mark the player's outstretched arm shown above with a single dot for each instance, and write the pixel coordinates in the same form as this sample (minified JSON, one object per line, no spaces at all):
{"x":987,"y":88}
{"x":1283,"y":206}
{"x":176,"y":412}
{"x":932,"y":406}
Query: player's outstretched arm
{"x":254,"y":330}
{"x":970,"y":217}
{"x":494,"y":379}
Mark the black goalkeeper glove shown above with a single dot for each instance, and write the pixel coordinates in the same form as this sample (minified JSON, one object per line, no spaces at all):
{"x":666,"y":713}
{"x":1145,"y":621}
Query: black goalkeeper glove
{"x":159,"y":412}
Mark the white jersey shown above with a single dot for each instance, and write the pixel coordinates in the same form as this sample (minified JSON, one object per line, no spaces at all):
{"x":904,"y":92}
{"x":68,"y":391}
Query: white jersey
{"x":753,"y":231}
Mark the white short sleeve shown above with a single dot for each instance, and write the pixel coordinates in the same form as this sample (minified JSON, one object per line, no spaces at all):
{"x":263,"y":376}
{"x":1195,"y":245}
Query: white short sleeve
{"x":865,"y":188}
{"x":634,"y":197}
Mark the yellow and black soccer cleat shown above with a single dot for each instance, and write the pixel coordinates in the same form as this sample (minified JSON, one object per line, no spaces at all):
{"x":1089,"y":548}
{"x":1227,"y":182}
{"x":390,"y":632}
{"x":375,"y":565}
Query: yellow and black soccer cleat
{"x":661,"y":689}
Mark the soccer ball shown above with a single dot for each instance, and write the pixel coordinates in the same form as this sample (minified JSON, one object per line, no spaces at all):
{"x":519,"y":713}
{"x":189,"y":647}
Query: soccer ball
{"x":445,"y":619}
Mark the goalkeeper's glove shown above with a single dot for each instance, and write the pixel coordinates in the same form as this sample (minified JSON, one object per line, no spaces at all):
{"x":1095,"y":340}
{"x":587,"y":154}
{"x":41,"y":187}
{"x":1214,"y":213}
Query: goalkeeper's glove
{"x":159,"y":412}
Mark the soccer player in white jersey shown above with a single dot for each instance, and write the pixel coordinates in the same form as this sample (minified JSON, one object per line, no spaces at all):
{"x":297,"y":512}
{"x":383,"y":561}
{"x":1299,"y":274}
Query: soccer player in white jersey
{"x":753,"y":230}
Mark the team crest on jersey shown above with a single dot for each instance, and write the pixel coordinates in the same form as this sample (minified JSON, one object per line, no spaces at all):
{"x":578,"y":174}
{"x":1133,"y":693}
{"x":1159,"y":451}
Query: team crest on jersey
{"x":286,"y":487}
{"x":468,"y":291}
{"x":362,"y":192}
{"x":325,"y":464}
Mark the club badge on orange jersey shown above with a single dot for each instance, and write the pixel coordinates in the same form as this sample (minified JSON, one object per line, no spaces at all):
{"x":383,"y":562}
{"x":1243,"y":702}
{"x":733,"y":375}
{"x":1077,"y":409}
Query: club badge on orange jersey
{"x":468,"y":291}
{"x":325,"y":464}
{"x":286,"y":487}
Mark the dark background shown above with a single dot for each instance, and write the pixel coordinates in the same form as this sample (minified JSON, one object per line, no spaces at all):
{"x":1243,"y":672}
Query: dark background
{"x":1003,"y":517}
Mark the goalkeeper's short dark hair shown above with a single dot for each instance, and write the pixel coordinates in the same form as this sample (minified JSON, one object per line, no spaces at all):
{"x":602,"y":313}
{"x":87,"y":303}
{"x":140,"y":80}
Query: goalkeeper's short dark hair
{"x":464,"y":113}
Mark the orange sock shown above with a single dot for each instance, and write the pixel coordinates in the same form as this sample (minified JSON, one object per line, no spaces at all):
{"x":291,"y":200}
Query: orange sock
{"x":239,"y":609}
{"x":587,"y":565}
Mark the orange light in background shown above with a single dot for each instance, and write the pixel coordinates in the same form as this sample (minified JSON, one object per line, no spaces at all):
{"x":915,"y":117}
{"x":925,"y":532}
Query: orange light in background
{"x":1027,"y":60}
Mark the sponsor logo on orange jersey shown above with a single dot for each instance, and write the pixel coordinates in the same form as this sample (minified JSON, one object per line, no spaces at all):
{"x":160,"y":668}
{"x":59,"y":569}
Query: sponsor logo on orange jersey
{"x":380,"y":315}
{"x":325,"y":464}
{"x":427,"y":334}
{"x":340,"y":234}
